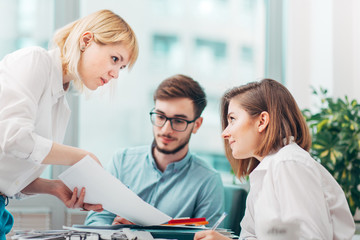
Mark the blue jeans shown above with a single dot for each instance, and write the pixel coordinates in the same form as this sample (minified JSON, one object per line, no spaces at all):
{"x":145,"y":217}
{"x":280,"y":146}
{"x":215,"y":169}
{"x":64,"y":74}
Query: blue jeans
{"x":6,"y":219}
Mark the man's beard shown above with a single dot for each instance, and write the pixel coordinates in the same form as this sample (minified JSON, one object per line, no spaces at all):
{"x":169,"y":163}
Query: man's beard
{"x":164,"y":151}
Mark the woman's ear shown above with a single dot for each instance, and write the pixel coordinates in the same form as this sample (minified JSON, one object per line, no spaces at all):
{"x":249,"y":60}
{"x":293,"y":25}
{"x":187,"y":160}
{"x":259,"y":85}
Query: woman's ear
{"x":86,"y":39}
{"x":264,"y":119}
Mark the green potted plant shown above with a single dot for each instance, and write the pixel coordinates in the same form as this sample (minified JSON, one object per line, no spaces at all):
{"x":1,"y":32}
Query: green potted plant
{"x":335,"y":130}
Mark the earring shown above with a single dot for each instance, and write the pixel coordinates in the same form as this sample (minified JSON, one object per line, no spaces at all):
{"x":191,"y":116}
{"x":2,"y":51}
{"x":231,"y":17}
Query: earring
{"x":82,"y":48}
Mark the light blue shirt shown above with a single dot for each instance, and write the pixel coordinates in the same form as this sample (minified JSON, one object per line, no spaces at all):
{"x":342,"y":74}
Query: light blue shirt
{"x":187,"y":188}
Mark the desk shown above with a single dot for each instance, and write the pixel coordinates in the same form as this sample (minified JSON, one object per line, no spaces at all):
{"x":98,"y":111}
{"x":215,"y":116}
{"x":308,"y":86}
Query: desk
{"x":163,"y":232}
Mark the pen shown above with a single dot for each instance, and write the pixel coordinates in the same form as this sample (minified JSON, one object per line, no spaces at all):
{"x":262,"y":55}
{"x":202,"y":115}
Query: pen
{"x":221,"y":218}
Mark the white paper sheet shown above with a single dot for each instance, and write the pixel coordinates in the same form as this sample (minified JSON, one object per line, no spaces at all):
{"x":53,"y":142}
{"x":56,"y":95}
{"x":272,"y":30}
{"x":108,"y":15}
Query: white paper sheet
{"x":140,"y":235}
{"x":103,"y":188}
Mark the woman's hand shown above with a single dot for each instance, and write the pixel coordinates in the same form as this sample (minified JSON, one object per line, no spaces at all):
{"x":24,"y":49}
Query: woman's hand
{"x":62,"y":192}
{"x":121,"y":220}
{"x":209,"y":235}
{"x":71,"y":200}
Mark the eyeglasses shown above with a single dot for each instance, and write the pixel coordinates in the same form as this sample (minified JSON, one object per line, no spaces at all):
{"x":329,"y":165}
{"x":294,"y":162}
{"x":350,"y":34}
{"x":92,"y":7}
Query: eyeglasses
{"x":57,"y":234}
{"x":83,"y":236}
{"x":177,"y":124}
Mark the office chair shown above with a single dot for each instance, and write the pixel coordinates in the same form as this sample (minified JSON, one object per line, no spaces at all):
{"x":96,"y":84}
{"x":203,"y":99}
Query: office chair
{"x":235,"y":203}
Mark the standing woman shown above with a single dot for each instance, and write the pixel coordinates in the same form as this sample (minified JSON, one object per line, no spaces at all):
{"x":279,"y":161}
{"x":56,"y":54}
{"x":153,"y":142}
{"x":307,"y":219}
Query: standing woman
{"x":267,"y":139}
{"x":33,"y":110}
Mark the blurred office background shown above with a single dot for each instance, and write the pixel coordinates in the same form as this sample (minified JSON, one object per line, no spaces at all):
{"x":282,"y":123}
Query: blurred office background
{"x":220,"y":43}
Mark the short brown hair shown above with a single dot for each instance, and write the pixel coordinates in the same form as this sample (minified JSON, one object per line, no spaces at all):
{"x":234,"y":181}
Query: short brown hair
{"x":181,"y":86}
{"x":286,"y":120}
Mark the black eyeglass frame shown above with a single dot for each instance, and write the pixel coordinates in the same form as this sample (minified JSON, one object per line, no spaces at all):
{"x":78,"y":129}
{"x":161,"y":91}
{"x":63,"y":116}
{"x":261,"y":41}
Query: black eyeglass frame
{"x":170,"y":119}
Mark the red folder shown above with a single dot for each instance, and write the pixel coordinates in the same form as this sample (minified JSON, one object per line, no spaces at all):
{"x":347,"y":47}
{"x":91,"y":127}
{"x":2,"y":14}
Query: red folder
{"x":187,"y":221}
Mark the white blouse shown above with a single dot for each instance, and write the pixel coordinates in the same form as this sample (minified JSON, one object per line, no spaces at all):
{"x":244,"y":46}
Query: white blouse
{"x":33,"y":113}
{"x":290,"y":187}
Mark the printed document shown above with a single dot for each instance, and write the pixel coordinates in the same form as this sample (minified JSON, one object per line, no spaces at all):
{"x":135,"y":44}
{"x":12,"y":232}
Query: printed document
{"x":103,"y":188}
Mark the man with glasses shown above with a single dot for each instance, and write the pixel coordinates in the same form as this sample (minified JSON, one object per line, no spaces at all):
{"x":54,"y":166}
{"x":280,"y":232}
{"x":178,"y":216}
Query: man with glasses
{"x":166,"y":174}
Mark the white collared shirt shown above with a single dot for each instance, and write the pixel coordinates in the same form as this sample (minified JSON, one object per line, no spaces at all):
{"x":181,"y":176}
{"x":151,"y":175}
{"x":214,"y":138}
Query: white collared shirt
{"x":291,"y":187}
{"x":33,"y":113}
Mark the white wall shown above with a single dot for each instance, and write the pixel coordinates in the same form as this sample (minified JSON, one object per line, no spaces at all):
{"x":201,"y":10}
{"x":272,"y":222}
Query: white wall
{"x":322,"y":48}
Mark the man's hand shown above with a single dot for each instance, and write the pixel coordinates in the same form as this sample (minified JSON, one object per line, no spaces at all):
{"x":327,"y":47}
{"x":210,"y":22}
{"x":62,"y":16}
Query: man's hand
{"x":121,"y":220}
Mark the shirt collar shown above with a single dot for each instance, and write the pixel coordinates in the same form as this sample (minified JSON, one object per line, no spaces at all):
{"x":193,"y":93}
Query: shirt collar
{"x":259,"y":172}
{"x":264,"y":164}
{"x":175,"y":166}
{"x":56,"y":77}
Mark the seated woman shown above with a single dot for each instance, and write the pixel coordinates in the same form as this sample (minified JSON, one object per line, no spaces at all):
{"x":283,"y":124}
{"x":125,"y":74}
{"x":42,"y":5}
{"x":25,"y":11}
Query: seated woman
{"x":267,"y":139}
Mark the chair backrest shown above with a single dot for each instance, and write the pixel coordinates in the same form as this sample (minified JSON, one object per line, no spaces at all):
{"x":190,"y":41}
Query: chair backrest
{"x":235,"y":203}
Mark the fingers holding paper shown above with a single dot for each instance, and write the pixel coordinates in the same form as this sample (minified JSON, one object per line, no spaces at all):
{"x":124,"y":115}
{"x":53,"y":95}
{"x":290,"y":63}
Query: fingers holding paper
{"x":71,"y":200}
{"x":58,"y":189}
{"x":120,"y":220}
{"x":209,"y":235}
{"x":92,"y":207}
{"x":79,"y":202}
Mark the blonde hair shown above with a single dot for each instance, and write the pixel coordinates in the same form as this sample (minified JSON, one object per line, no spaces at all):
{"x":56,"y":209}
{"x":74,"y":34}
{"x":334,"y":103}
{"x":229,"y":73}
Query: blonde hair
{"x":107,"y":28}
{"x":286,"y":120}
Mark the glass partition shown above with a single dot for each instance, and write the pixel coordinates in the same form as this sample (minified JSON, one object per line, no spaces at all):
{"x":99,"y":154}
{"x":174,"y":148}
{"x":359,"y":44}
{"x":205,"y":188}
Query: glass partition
{"x":220,"y":43}
{"x":25,"y":23}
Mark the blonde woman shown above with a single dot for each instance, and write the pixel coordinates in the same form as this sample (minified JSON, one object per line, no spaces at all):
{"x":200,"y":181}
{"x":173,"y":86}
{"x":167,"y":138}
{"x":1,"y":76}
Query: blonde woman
{"x":291,"y":195}
{"x":34,"y":113}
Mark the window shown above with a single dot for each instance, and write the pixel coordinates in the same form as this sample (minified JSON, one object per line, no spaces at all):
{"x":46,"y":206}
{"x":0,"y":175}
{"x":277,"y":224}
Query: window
{"x":25,"y":23}
{"x":220,"y":43}
{"x":166,"y":51}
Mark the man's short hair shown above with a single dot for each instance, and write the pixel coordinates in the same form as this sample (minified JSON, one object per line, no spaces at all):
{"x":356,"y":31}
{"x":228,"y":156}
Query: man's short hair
{"x":181,"y":86}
